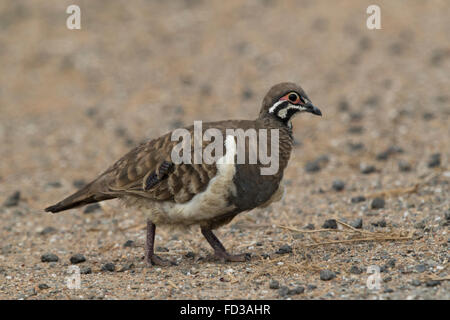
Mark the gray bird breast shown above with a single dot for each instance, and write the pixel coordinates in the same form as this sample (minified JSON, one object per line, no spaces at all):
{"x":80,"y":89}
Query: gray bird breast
{"x":252,"y":188}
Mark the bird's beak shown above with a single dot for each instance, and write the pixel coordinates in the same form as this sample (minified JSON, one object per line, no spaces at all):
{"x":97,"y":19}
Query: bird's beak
{"x":312,"y":109}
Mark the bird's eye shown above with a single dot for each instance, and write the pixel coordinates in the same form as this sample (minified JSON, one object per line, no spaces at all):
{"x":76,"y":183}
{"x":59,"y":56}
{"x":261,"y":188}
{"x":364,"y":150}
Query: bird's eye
{"x":293,"y":97}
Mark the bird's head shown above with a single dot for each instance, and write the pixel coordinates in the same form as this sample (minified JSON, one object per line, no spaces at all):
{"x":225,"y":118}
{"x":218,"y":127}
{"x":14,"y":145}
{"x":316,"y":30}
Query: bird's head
{"x":284,"y":100}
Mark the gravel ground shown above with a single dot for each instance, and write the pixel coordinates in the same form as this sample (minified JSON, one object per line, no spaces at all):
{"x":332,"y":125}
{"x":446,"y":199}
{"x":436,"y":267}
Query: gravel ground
{"x":374,"y":167}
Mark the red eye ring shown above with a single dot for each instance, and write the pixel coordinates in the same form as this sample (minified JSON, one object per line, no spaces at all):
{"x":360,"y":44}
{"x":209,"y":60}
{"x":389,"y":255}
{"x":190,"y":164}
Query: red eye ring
{"x":292,"y":97}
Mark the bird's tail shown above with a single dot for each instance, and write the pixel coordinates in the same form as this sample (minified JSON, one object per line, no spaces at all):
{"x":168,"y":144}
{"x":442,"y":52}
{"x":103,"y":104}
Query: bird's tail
{"x":80,"y":198}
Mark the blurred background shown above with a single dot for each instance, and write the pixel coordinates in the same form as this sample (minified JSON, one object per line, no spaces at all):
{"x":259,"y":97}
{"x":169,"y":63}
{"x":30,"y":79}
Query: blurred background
{"x":74,"y":101}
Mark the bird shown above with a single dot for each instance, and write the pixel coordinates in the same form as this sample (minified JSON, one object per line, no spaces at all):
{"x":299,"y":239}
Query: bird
{"x":209,"y":195}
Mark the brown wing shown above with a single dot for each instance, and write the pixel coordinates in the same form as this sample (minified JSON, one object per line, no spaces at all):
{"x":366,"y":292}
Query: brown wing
{"x":148,"y":171}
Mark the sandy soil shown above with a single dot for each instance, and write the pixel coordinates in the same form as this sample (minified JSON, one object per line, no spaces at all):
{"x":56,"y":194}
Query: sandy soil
{"x":74,"y":101}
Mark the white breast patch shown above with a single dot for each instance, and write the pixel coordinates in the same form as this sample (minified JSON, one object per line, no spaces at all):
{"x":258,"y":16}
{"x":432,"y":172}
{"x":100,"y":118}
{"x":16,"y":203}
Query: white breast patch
{"x":206,"y":205}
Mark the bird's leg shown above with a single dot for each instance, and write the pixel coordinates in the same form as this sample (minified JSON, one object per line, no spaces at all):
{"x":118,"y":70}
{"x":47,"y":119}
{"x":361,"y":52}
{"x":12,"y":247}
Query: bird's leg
{"x":219,"y":249}
{"x":150,"y":256}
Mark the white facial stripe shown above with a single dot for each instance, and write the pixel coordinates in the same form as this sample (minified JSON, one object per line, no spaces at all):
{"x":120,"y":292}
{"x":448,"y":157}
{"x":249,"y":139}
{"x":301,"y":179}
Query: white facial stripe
{"x":275,"y":105}
{"x":283,"y":112}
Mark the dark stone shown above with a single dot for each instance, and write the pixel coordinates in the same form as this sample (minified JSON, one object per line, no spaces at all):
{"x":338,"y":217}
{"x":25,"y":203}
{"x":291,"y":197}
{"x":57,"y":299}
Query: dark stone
{"x":420,"y":224}
{"x":388,"y":290}
{"x":343,"y":105}
{"x":55,"y":184}
{"x":274,"y":284}
{"x":389,"y":152}
{"x":421,"y":268}
{"x":296,"y":290}
{"x":381,"y":223}
{"x":356,"y":270}
{"x":129,"y":244}
{"x":43,"y":286}
{"x":367,"y":169}
{"x":49,"y":257}
{"x":162,"y":249}
{"x":358,"y":223}
{"x":447,"y":215}
{"x":47,"y":230}
{"x":358,"y":199}
{"x":283,"y":291}
{"x":85,"y":270}
{"x":330,"y":224}
{"x":416,"y":283}
{"x":433,"y":283}
{"x":190,"y":254}
{"x":79,"y":183}
{"x":247,"y":94}
{"x":404,"y":166}
{"x":355,"y":146}
{"x":355,"y":129}
{"x":77,"y":258}
{"x":311,"y":287}
{"x":317,"y":164}
{"x":435,"y":160}
{"x":12,"y":200}
{"x":310,"y":226}
{"x":338,"y":185}
{"x":109,"y":267}
{"x":284,"y":249}
{"x":126,"y":267}
{"x":377,"y":203}
{"x":326,"y":275}
{"x":92,"y":208}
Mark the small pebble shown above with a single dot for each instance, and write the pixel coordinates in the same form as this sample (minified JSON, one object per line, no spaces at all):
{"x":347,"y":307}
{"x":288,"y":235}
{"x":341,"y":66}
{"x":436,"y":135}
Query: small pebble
{"x":274,"y":284}
{"x":284,"y":249}
{"x":326,"y":275}
{"x":404,"y":166}
{"x":12,"y":200}
{"x":421,"y":268}
{"x":330,"y":224}
{"x":49,"y":257}
{"x":433,"y":283}
{"x":79,"y":183}
{"x":416,"y":283}
{"x":358,"y":223}
{"x":77,"y":258}
{"x":43,"y":286}
{"x":283,"y":291}
{"x":358,"y":199}
{"x":377,"y":203}
{"x":356,"y":270}
{"x":435,"y":160}
{"x":338,"y":185}
{"x":85,"y":270}
{"x":380,"y":223}
{"x":296,"y":290}
{"x":126,"y":267}
{"x":47,"y":230}
{"x":129,"y":244}
{"x":310,"y":226}
{"x":190,"y":254}
{"x":92,"y":208}
{"x":367,"y":169}
{"x":162,"y":249}
{"x":109,"y":267}
{"x":317,"y":164}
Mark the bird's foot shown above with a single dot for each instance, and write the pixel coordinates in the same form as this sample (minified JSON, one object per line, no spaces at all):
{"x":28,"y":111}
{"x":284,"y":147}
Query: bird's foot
{"x":154,"y":260}
{"x":225,"y":256}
